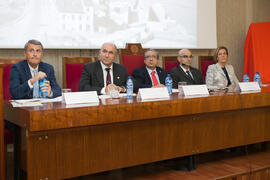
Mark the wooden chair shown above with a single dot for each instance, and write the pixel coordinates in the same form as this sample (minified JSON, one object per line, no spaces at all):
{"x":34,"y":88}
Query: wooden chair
{"x":7,"y":63}
{"x":168,"y":62}
{"x":72,"y":68}
{"x":2,"y":127}
{"x":204,"y":62}
{"x":132,"y":56}
{"x":6,"y":93}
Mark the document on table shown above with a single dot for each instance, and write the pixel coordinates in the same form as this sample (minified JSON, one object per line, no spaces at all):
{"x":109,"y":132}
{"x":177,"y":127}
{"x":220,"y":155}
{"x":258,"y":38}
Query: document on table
{"x":34,"y":102}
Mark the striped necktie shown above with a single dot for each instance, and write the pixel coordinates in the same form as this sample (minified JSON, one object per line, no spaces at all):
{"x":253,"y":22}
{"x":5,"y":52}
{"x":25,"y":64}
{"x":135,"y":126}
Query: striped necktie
{"x":35,"y":86}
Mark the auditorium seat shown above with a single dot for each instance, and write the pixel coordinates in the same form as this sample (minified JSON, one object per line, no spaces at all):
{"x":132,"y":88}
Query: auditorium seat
{"x":204,"y":62}
{"x":168,"y":62}
{"x":72,"y":68}
{"x":132,"y":56}
{"x":9,"y":130}
{"x":6,"y":94}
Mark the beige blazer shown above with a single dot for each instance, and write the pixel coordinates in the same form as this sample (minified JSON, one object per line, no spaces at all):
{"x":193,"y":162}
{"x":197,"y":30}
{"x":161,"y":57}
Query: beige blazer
{"x":216,"y":78}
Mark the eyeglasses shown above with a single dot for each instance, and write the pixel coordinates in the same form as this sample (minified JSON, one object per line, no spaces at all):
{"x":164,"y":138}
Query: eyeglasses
{"x":220,"y":54}
{"x":148,"y":57}
{"x":38,"y":51}
{"x":185,"y":56}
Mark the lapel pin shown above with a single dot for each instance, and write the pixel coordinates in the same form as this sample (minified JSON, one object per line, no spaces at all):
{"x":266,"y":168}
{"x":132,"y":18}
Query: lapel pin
{"x":118,"y":77}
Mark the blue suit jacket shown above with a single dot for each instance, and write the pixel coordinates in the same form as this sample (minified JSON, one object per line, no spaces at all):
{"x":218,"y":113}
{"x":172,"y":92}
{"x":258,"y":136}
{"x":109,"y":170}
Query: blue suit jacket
{"x":143,"y":78}
{"x":20,"y":74}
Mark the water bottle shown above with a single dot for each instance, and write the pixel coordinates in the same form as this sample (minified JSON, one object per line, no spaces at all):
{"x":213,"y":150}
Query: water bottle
{"x":246,"y":78}
{"x":41,"y":83}
{"x":129,"y":87}
{"x":169,"y":83}
{"x":257,"y":78}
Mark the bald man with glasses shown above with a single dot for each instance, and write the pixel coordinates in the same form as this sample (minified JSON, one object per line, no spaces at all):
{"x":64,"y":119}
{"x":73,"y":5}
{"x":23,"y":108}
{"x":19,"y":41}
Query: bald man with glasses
{"x":185,"y":72}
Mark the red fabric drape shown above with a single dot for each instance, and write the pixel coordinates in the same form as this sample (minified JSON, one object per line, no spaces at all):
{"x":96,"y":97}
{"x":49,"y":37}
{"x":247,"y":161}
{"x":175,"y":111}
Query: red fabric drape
{"x":257,"y":51}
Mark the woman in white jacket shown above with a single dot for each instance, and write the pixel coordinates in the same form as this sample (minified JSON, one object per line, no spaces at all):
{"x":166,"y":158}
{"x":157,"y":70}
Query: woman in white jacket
{"x":221,"y":75}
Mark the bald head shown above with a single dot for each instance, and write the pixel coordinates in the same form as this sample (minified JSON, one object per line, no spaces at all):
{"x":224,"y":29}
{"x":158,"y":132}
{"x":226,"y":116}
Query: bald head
{"x":180,"y":52}
{"x":185,"y":58}
{"x":108,"y":53}
{"x":109,"y":43}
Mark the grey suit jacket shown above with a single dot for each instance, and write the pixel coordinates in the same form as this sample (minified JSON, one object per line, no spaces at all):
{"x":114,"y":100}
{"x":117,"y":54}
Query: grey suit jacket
{"x":92,"y":77}
{"x":216,"y":78}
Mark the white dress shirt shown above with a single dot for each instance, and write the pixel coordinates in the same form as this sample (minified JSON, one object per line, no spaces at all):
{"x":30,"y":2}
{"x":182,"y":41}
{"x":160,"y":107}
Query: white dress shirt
{"x":186,"y":71}
{"x":105,"y":76}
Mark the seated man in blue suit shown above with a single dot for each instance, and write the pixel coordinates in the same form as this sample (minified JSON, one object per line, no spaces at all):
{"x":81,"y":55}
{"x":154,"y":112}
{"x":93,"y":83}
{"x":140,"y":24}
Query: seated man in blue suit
{"x":150,"y":75}
{"x":25,"y":75}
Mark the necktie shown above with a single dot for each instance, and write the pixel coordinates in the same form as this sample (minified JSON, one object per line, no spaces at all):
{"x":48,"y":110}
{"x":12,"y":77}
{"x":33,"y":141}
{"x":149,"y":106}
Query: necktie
{"x":108,"y":79}
{"x":35,"y":86}
{"x":189,"y":75}
{"x":154,"y":78}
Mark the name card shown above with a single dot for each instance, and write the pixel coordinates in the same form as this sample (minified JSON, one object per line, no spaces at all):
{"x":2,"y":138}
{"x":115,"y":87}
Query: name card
{"x":195,"y":90}
{"x":153,"y":93}
{"x":249,"y":86}
{"x":81,"y":97}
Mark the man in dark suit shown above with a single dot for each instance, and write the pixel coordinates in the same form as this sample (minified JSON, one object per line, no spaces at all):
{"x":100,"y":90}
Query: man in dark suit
{"x":184,"y":72}
{"x":150,"y":75}
{"x":104,"y":74}
{"x":25,"y":75}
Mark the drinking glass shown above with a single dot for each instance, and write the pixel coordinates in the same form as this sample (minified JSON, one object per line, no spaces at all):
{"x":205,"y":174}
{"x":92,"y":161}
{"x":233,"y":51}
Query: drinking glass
{"x":113,"y":92}
{"x":180,"y":87}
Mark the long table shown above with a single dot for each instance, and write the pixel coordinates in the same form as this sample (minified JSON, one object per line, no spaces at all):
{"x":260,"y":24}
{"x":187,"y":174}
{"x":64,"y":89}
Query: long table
{"x":59,"y":142}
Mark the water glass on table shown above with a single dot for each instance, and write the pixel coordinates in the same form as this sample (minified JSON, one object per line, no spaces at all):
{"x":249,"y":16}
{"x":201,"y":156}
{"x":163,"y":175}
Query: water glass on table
{"x":180,"y":87}
{"x":113,"y":92}
{"x":66,"y":90}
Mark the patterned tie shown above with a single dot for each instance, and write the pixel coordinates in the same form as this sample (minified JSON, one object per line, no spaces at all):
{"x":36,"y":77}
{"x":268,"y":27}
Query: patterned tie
{"x":154,"y":78}
{"x":35,"y":86}
{"x":108,"y":80}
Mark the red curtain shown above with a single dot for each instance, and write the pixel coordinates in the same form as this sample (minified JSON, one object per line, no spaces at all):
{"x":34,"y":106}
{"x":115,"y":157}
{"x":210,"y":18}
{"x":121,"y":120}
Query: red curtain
{"x":257,"y":51}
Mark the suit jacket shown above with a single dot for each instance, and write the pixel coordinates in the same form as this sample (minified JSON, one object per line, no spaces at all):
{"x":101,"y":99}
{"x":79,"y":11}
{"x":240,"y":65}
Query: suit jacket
{"x":216,"y":77}
{"x":179,"y":75}
{"x":92,"y":77}
{"x":20,"y":74}
{"x":143,"y":78}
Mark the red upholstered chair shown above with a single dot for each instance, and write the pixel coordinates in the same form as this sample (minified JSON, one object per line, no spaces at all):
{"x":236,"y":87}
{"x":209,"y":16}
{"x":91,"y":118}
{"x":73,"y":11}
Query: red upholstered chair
{"x":7,"y":66}
{"x":72,"y":70}
{"x":132,"y":56}
{"x":204,"y":62}
{"x":6,"y":94}
{"x":169,"y":62}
